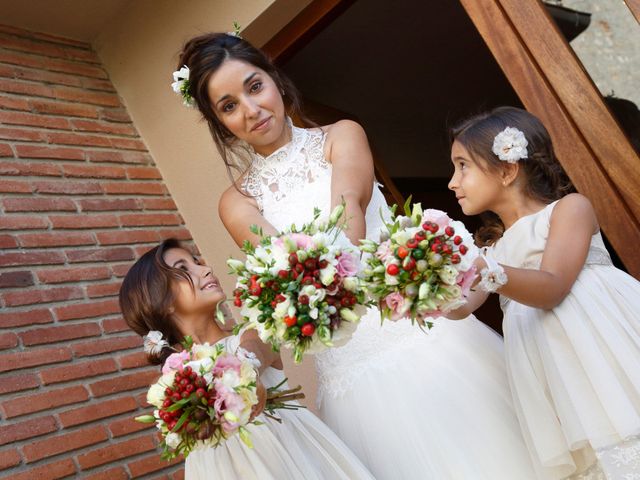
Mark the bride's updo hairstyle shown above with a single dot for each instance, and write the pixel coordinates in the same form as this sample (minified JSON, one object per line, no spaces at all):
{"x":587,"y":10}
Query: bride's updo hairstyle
{"x":203,"y":55}
{"x":545,"y":179}
{"x":147,"y":299}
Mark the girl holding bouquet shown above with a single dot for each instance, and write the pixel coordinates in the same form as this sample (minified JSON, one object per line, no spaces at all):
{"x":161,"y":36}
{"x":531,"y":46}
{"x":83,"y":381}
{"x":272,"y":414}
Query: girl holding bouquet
{"x":169,"y":291}
{"x":571,"y":325}
{"x":410,"y":405}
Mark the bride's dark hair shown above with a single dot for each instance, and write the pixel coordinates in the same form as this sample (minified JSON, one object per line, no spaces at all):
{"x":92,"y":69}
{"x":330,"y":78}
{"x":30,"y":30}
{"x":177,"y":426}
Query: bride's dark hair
{"x":146,"y":297}
{"x":204,"y":55}
{"x":546,"y":180}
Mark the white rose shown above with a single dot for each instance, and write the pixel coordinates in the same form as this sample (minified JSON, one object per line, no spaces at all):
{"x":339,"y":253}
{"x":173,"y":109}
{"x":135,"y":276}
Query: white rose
{"x":155,"y":395}
{"x":448,"y":274}
{"x":172,"y":440}
{"x":351,"y":283}
{"x":327,"y":274}
{"x":282,"y":308}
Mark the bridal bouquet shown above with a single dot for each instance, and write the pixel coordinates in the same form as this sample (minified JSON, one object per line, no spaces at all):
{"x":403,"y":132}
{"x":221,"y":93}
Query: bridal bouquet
{"x":206,"y":395}
{"x":301,"y":288}
{"x":422,"y":266}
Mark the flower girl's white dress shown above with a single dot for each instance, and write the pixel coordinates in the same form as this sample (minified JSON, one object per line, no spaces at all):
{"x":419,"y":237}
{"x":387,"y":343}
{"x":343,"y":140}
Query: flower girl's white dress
{"x":575,"y":369}
{"x":299,"y":448}
{"x":411,"y":405}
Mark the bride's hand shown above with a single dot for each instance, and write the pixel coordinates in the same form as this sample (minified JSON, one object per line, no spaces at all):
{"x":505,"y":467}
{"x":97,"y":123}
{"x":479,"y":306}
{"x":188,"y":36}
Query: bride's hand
{"x":257,"y":409}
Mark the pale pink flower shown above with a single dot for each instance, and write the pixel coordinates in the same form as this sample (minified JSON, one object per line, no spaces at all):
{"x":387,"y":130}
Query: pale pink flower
{"x":225,"y":362}
{"x":175,"y":361}
{"x":304,"y":242}
{"x":384,"y":250}
{"x":228,"y":401}
{"x":465,"y":280}
{"x":347,"y":265}
{"x":436,"y":216}
{"x":397,"y":303}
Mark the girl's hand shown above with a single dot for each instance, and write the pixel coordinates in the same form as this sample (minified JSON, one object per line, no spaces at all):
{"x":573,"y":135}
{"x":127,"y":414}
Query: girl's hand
{"x":258,"y":408}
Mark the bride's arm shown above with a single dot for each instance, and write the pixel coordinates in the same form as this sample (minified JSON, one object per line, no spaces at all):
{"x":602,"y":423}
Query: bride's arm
{"x":352,"y":176}
{"x":238,"y":212}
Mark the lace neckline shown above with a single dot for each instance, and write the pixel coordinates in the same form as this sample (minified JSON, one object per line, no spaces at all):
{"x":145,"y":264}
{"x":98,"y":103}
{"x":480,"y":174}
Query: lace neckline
{"x":298,"y":135}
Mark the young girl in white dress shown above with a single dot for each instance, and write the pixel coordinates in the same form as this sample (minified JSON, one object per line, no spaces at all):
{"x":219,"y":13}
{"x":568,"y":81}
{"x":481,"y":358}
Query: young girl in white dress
{"x":410,"y":405}
{"x":170,"y":291}
{"x":571,"y":328}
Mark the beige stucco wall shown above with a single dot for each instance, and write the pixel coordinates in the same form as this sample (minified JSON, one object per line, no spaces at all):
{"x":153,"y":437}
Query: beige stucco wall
{"x":139,"y":49}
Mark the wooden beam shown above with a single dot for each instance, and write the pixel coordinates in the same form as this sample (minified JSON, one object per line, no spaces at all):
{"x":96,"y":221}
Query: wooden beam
{"x":510,"y":42}
{"x":634,"y":6}
{"x":302,"y":28}
{"x":579,"y":96}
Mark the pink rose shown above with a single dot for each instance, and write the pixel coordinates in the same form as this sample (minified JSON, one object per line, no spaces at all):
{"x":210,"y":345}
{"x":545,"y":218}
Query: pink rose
{"x":175,"y":361}
{"x":465,"y":280}
{"x":347,"y":265}
{"x":225,"y":362}
{"x":303,"y":241}
{"x":384,"y":250}
{"x":396,"y":303}
{"x":228,"y":401}
{"x":436,"y":216}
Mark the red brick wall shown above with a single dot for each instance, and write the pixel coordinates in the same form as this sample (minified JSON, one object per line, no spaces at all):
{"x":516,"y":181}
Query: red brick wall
{"x":80,"y":199}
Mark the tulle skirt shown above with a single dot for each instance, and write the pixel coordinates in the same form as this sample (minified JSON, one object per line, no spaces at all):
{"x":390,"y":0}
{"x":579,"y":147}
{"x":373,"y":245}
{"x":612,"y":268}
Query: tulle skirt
{"x":434,"y":406}
{"x":301,"y":447}
{"x":575,"y":375}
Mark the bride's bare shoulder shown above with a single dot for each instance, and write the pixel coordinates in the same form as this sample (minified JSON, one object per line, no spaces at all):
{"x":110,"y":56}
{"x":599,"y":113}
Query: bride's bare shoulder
{"x":343,"y":128}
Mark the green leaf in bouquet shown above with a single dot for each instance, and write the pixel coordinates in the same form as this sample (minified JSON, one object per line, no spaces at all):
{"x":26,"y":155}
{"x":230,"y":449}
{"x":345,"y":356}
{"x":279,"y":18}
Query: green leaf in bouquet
{"x":179,"y":404}
{"x":256,"y":230}
{"x":248,"y":248}
{"x":187,"y":343}
{"x":407,"y":206}
{"x":181,"y":420}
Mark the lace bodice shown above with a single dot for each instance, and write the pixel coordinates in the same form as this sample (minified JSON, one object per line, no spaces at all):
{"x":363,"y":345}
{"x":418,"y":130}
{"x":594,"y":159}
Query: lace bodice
{"x":288,"y":185}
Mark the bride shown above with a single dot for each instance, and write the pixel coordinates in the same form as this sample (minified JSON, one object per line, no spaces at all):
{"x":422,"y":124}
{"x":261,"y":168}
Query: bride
{"x":410,"y":405}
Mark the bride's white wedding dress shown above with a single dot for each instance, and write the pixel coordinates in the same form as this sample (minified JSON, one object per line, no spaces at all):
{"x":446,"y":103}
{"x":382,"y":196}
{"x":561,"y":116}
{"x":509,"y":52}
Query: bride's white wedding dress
{"x":409,"y":404}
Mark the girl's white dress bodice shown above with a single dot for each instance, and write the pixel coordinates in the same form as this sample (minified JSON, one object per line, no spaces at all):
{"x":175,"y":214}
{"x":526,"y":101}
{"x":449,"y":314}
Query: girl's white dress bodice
{"x":574,"y":370}
{"x":410,"y":405}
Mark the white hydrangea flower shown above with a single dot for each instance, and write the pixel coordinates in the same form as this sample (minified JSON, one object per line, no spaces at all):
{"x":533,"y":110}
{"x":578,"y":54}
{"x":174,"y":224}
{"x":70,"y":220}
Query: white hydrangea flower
{"x":510,"y":145}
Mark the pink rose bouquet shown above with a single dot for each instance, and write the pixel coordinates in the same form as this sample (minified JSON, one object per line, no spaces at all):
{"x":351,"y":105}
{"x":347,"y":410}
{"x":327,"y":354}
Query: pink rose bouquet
{"x":422,"y":267}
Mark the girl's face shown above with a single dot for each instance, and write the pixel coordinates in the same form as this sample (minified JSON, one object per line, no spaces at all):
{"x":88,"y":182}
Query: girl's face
{"x":206,"y":294}
{"x":477,"y":189}
{"x":247,"y":101}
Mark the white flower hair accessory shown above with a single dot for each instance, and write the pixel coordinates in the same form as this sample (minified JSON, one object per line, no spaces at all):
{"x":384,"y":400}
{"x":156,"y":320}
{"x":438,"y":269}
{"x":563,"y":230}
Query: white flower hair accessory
{"x":154,"y":343}
{"x":180,"y":85}
{"x":510,"y":145}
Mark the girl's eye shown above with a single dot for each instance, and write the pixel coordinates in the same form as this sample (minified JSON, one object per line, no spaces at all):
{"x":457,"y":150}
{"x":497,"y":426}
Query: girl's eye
{"x":228,"y":107}
{"x":255,"y":87}
{"x":463,"y":165}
